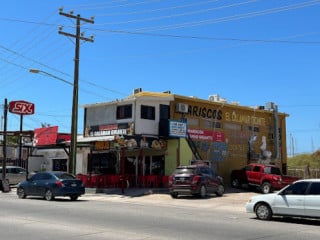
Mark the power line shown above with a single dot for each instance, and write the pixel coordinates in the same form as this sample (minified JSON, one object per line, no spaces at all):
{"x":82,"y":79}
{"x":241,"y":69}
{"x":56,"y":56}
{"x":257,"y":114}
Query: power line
{"x":208,"y":38}
{"x":159,"y":9}
{"x":179,"y":14}
{"x":231,"y":18}
{"x":53,"y":69}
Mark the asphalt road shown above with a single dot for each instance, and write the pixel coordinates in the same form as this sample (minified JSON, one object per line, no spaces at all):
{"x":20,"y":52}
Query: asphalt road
{"x":153,"y":216}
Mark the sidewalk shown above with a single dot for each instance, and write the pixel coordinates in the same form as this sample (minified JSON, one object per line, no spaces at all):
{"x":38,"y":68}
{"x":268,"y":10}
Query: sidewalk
{"x":128,"y":192}
{"x":139,"y":192}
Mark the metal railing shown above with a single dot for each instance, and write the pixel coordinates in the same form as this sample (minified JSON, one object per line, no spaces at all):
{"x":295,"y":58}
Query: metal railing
{"x":304,"y":172}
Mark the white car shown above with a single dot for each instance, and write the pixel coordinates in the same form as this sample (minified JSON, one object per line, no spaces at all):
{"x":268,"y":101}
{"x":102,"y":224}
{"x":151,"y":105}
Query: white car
{"x":14,"y":174}
{"x":300,"y":199}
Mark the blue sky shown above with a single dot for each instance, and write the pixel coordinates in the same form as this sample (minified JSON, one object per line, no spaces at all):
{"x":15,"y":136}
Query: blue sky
{"x":250,"y":51}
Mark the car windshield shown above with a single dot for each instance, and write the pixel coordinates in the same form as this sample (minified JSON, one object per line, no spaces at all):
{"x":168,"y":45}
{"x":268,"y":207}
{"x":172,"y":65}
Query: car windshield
{"x":185,"y":171}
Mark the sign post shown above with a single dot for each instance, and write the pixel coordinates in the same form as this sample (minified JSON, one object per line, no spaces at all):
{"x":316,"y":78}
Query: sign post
{"x":4,"y":187}
{"x":21,"y":108}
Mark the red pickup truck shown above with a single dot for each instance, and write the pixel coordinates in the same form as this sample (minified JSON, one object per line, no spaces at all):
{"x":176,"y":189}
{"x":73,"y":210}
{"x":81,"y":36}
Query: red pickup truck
{"x":267,"y":177}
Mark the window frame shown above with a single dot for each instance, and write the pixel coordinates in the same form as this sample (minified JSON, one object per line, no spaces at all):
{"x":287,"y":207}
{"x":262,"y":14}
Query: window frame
{"x":124,"y":112}
{"x":147,"y":112}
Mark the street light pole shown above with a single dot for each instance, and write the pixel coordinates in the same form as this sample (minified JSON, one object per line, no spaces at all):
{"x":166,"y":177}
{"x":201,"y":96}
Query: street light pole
{"x":74,"y":118}
{"x":32,"y":70}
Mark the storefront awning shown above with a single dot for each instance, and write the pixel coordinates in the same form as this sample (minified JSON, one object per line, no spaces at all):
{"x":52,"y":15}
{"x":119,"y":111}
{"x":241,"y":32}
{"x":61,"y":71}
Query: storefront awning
{"x":95,"y":139}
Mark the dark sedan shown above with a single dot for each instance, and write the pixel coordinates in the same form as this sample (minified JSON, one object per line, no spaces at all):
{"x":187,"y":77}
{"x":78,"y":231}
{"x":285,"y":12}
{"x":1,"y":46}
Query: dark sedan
{"x":50,"y":185}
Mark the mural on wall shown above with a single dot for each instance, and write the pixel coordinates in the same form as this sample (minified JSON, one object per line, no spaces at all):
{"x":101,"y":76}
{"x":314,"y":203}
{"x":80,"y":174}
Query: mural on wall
{"x":218,"y":151}
{"x":265,"y":154}
{"x":252,"y":154}
{"x":262,"y":156}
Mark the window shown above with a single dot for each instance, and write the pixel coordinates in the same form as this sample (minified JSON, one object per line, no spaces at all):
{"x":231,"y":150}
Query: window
{"x":256,"y":169}
{"x":46,"y":176}
{"x":315,"y":188}
{"x":272,"y":170}
{"x":148,"y":112}
{"x":35,"y":177}
{"x":248,"y":168}
{"x":66,"y":176}
{"x":275,"y":171}
{"x":204,"y":170}
{"x":254,"y":129}
{"x":164,"y":112}
{"x":297,"y":188}
{"x":102,"y":163}
{"x":124,"y":111}
{"x":164,"y":116}
{"x":211,"y":124}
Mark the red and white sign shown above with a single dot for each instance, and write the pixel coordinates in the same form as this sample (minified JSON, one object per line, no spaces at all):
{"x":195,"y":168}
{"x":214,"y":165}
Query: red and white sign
{"x":206,"y":135}
{"x":45,"y":136}
{"x":21,"y":107}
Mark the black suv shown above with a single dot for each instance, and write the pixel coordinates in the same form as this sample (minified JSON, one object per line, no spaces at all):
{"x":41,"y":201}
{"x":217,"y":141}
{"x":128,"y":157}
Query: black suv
{"x":197,"y":180}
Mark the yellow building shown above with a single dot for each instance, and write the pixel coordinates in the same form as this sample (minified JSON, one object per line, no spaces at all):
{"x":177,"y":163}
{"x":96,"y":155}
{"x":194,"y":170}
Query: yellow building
{"x":227,"y":135}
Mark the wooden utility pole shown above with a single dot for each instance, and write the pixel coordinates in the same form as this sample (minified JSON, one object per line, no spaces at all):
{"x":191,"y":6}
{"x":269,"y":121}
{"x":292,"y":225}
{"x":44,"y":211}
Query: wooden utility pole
{"x":4,"y":186}
{"x":74,"y":122}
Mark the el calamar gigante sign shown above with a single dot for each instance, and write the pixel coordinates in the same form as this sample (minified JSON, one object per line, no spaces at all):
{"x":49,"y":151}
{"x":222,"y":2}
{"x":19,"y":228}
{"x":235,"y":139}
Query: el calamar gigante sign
{"x":21,"y":107}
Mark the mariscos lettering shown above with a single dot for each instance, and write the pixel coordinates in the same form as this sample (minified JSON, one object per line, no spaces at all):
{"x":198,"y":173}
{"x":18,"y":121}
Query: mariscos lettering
{"x":205,"y":112}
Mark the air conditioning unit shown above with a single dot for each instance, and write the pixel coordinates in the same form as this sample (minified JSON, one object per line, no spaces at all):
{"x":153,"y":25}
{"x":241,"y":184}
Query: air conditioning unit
{"x":137,"y":90}
{"x":214,"y":98}
{"x":182,"y":107}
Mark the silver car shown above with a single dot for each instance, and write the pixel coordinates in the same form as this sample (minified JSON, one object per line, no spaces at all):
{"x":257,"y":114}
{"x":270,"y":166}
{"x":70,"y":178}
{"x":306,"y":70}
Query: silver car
{"x":14,"y":174}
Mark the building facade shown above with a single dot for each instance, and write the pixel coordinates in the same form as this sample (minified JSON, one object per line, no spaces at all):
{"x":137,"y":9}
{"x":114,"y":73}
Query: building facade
{"x":151,"y":133}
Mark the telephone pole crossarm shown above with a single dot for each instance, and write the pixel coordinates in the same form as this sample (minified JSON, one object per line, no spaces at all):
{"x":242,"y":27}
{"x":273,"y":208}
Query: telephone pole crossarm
{"x":70,"y":15}
{"x":73,"y":35}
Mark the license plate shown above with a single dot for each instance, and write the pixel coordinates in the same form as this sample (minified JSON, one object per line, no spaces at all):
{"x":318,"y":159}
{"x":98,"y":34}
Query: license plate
{"x":73,"y":185}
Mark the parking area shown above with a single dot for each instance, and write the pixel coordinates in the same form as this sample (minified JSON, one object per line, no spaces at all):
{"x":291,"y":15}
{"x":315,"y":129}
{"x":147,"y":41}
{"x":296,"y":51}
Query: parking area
{"x":233,"y":199}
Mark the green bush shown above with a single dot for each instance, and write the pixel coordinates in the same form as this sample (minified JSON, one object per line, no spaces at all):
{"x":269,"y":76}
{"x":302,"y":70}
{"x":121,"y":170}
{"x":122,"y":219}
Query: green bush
{"x":302,"y":160}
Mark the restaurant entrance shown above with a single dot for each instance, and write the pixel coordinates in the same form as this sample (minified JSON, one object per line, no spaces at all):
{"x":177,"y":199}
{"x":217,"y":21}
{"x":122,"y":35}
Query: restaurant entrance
{"x":134,"y":167}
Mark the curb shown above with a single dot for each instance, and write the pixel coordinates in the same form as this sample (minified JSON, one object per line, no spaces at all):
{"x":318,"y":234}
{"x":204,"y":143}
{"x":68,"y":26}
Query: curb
{"x":130,"y":192}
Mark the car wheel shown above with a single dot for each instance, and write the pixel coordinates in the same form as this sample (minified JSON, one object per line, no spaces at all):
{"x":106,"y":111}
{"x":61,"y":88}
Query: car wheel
{"x":21,"y":193}
{"x":174,"y":195}
{"x":263,"y":212}
{"x":48,"y":195}
{"x":235,"y":183}
{"x":220,"y":190}
{"x":74,"y":197}
{"x":203,"y":191}
{"x":266,"y":188}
